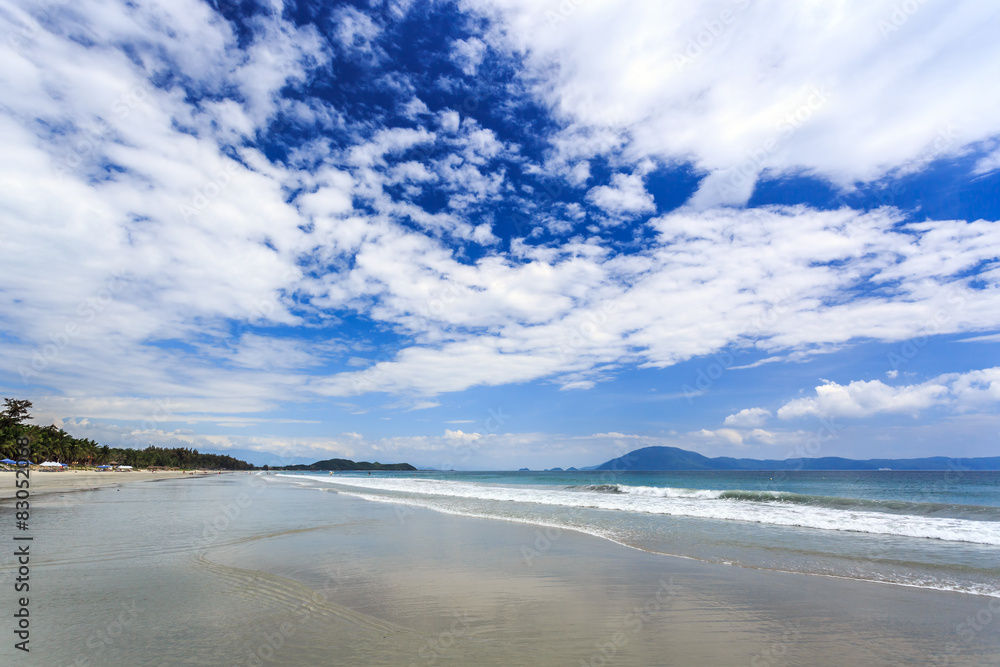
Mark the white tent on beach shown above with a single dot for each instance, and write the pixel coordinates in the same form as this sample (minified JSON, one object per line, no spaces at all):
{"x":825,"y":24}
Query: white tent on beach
{"x":52,"y":464}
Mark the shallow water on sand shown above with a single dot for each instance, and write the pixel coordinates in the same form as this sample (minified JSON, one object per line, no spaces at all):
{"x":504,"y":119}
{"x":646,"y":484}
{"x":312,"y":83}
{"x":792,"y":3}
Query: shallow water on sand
{"x":934,"y":530}
{"x":236,"y":570}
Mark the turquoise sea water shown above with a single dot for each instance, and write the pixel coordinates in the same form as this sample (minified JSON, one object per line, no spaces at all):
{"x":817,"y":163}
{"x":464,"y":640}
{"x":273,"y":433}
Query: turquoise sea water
{"x":937,"y":530}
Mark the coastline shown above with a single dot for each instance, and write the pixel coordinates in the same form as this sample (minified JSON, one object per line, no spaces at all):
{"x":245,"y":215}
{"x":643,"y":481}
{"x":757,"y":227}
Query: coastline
{"x":83,"y":480}
{"x":251,"y":570}
{"x":513,"y":593}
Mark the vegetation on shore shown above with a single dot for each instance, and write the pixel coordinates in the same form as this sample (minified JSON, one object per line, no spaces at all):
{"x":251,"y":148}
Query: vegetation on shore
{"x":53,"y":443}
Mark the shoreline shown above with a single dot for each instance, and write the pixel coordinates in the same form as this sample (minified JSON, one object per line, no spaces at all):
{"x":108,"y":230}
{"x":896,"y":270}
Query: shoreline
{"x":291,"y":574}
{"x":84,"y":480}
{"x":553,"y":592}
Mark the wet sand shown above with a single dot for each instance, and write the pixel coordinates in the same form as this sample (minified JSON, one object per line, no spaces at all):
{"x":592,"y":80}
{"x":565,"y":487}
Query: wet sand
{"x":237,"y":571}
{"x":487,"y":592}
{"x":76,"y":480}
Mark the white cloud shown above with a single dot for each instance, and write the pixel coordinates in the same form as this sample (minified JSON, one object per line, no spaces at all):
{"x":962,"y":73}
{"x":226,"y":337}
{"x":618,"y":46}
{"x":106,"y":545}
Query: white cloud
{"x":625,"y":195}
{"x":958,"y":391}
{"x":578,"y":384}
{"x":731,"y":436}
{"x":355,"y":30}
{"x":209,"y":237}
{"x":579,"y":174}
{"x":748,"y":418}
{"x":462,"y":436}
{"x":468,"y":54}
{"x":745,"y":87}
{"x":989,"y":163}
{"x":975,"y":388}
{"x":423,"y":405}
{"x":990,"y":338}
{"x":864,"y":399}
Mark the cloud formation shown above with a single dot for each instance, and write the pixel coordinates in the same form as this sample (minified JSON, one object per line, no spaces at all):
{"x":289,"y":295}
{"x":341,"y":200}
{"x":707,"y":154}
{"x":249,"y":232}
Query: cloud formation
{"x":959,"y":392}
{"x":748,"y":418}
{"x":232,"y":213}
{"x":849,"y":92}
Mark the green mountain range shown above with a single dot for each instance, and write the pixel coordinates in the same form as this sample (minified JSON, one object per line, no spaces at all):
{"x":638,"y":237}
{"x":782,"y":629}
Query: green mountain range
{"x":674,"y":458}
{"x":345,"y":464}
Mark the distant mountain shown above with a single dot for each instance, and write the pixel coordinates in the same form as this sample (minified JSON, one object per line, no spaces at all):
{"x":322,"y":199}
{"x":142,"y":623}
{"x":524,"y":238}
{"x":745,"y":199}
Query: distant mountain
{"x":344,"y":464}
{"x":674,"y":458}
{"x":260,"y":459}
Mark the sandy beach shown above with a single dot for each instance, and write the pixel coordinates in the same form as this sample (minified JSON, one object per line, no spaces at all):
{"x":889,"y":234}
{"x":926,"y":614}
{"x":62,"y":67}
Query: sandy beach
{"x":253,"y":571}
{"x":78,"y":480}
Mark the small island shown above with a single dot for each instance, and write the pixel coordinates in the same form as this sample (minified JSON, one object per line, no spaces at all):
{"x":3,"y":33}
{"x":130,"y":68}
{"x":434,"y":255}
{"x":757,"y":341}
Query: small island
{"x":345,"y":464}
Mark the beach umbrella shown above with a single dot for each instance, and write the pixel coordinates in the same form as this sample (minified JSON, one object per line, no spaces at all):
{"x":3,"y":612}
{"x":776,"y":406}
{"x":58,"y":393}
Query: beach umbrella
{"x":8,"y":461}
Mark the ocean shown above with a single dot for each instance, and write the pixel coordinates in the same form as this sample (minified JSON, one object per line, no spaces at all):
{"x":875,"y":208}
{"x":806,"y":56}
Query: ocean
{"x":388,"y":569}
{"x":935,"y":530}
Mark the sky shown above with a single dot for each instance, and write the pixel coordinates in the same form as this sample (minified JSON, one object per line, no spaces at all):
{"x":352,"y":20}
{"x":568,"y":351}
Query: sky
{"x":495,"y":234}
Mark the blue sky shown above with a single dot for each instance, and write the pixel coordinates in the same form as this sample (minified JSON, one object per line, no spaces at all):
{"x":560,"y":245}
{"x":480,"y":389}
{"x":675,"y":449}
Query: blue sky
{"x":504,"y":233}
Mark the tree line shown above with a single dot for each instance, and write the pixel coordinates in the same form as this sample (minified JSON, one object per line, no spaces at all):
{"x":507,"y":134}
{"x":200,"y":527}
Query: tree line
{"x":50,"y":443}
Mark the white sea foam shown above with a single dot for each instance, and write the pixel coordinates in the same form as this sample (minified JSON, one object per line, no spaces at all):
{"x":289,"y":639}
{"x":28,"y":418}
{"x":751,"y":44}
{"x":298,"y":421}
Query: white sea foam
{"x":698,"y":503}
